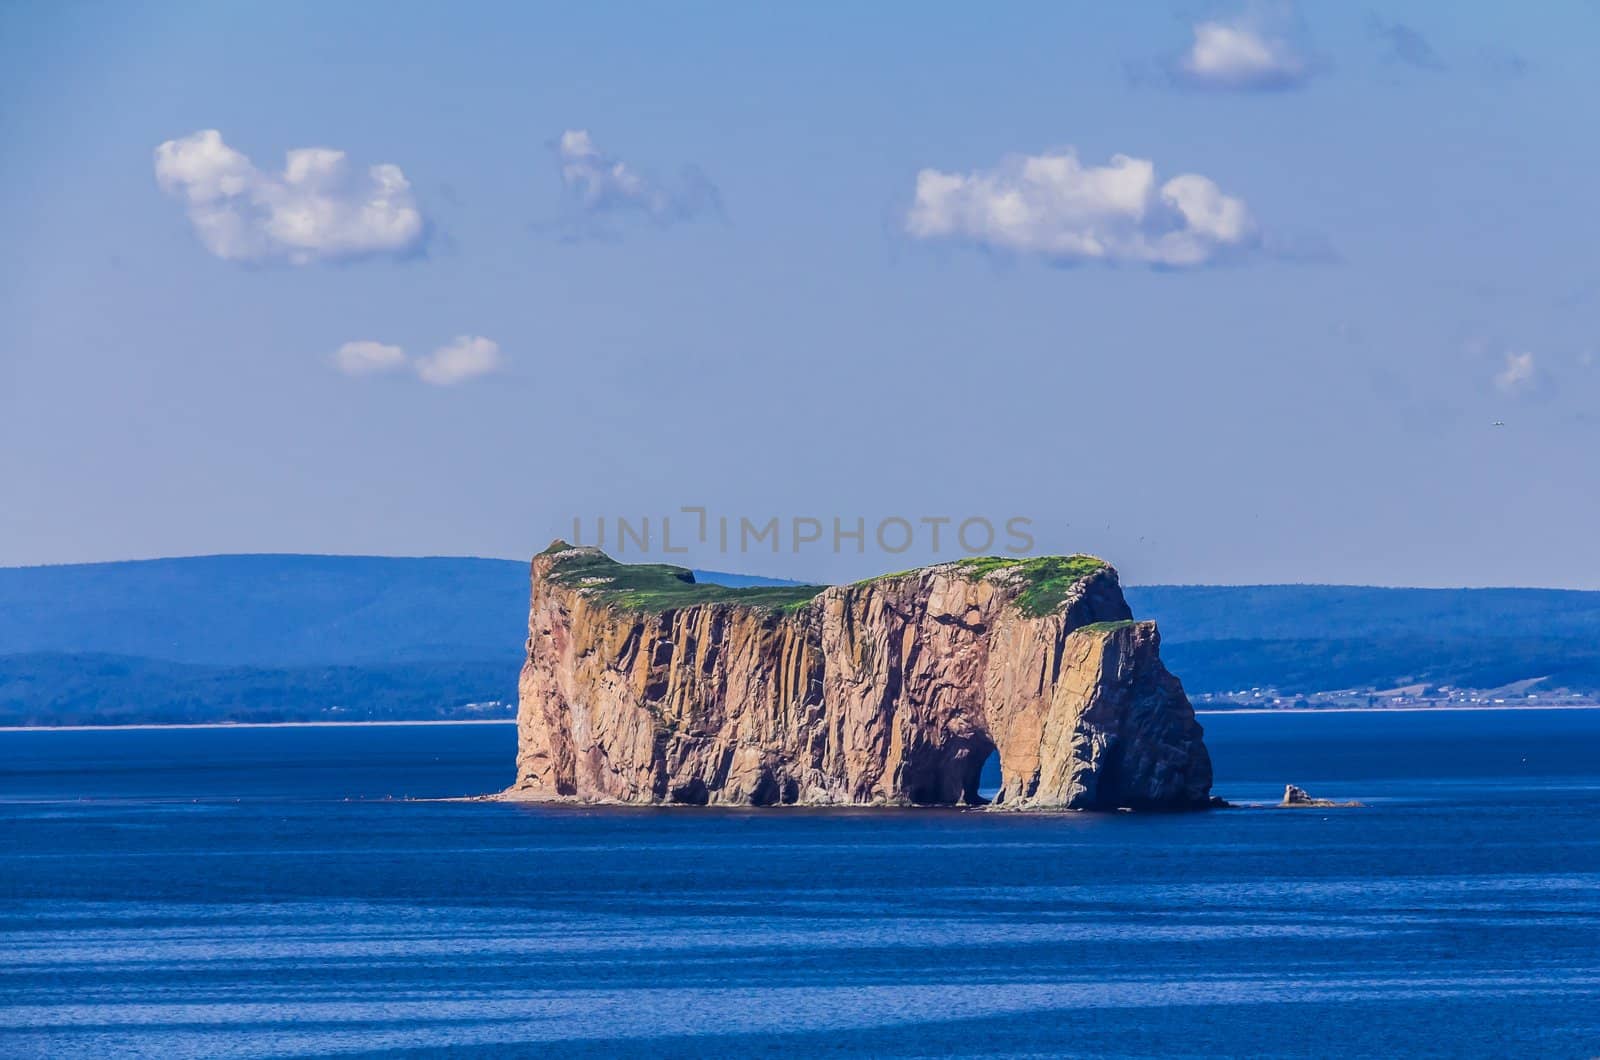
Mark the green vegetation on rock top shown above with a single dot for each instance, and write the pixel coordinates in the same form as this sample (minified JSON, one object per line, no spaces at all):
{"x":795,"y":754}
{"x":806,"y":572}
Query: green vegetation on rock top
{"x":886,"y":576}
{"x":1107,"y":627}
{"x":1046,"y":580}
{"x":663,"y":587}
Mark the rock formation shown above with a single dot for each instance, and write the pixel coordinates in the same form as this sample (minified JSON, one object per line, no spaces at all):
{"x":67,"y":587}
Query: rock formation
{"x":1298,"y":797}
{"x":642,"y":686}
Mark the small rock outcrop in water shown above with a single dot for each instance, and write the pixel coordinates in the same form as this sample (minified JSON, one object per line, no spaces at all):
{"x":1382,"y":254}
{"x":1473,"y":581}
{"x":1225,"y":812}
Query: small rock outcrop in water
{"x":1295,"y":796}
{"x":642,"y":686}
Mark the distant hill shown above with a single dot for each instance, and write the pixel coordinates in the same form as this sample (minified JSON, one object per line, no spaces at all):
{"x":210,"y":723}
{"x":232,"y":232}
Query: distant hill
{"x":1315,"y":638}
{"x":266,"y":637}
{"x":269,"y":610}
{"x":1302,"y":612}
{"x":277,"y":610}
{"x":86,"y":688}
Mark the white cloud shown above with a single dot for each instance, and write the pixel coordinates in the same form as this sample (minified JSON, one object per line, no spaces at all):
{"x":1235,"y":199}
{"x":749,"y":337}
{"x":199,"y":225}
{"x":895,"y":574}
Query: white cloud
{"x":1055,"y":207}
{"x":1241,"y":54}
{"x":1519,"y":375}
{"x":468,"y":357}
{"x":368,"y":358}
{"x":316,"y":209}
{"x":602,"y":184}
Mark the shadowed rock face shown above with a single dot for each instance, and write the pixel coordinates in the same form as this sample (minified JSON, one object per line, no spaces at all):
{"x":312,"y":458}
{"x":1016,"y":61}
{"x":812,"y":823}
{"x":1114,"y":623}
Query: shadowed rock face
{"x":640,"y":687}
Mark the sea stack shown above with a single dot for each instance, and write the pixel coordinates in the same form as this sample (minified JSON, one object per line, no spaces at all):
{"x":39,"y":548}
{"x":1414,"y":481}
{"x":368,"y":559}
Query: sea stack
{"x":642,"y":686}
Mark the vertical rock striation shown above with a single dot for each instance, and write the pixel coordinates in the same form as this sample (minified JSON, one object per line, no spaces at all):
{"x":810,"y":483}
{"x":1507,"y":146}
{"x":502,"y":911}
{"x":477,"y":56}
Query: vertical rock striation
{"x":643,"y":687}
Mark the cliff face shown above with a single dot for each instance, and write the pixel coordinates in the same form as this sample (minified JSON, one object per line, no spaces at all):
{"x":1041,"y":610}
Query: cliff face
{"x":641,"y":687}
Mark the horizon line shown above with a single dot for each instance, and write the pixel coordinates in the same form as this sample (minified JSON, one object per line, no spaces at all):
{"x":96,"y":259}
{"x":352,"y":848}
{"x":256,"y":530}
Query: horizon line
{"x":4,"y":568}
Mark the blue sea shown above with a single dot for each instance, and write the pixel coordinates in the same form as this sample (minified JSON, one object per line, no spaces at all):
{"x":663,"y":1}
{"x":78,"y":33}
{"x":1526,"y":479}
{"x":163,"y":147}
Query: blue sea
{"x":285,"y":891}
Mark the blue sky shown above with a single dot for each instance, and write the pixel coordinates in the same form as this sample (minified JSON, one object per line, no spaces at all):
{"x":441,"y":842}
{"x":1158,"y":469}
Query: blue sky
{"x":808,"y":261}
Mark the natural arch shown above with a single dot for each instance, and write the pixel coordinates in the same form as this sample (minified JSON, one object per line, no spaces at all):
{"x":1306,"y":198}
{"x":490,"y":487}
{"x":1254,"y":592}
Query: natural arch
{"x":947,"y":773}
{"x":642,"y":686}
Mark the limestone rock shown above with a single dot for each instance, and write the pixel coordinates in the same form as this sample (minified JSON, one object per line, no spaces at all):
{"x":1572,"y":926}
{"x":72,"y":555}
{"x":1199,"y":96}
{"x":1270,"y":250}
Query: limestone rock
{"x":1298,"y":797}
{"x":1294,"y":796}
{"x":642,"y":687}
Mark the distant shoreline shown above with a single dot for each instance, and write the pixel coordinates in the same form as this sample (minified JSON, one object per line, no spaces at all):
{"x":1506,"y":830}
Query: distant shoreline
{"x":254,"y":725}
{"x":1403,"y":710}
{"x":146,"y":726}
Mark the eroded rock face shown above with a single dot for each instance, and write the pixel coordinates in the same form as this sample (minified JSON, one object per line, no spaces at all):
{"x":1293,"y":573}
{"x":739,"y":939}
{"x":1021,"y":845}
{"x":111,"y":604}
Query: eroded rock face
{"x":1298,"y":797}
{"x":887,"y":692}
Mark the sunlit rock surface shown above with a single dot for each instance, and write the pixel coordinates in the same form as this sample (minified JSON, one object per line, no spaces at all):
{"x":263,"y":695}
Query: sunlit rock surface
{"x":641,"y":686}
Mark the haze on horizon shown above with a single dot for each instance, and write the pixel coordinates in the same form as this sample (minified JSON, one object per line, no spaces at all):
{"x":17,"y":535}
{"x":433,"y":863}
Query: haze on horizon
{"x":1229,"y":294}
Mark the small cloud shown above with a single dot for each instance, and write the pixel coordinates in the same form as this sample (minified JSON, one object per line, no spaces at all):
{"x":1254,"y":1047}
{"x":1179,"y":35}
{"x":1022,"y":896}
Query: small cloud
{"x":1519,"y":376}
{"x":602,"y":185}
{"x":1404,"y":44}
{"x":1054,"y":207}
{"x":468,"y":357}
{"x":368,"y":358}
{"x":316,"y":209}
{"x":1242,"y":54}
{"x":1503,"y":63}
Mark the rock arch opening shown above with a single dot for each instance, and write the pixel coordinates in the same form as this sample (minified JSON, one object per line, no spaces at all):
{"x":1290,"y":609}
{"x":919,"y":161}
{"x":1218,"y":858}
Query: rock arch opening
{"x":990,"y":778}
{"x":950,"y":773}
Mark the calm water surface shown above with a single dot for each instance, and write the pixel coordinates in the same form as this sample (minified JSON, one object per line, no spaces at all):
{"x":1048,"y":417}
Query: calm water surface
{"x":264,"y":892}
